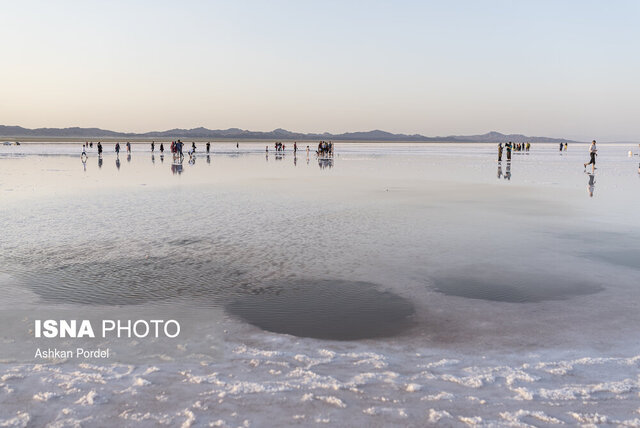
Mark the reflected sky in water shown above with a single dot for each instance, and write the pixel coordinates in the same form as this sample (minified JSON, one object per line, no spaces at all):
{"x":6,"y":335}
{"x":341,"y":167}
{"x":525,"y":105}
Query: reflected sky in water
{"x":481,"y":256}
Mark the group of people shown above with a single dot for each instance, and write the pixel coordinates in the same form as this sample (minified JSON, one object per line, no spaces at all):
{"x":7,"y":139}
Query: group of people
{"x":279,"y":147}
{"x":509,"y":147}
{"x":325,"y":148}
{"x":89,"y":145}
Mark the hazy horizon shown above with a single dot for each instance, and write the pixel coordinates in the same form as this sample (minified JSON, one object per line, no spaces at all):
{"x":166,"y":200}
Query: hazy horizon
{"x":558,"y":69}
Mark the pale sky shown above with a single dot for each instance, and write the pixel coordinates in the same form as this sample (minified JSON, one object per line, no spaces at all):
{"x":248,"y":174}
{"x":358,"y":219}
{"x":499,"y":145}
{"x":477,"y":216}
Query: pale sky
{"x":548,"y":68}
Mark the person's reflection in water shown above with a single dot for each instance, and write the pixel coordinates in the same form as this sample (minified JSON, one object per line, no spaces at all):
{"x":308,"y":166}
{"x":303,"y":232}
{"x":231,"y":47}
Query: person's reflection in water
{"x":325,"y":163}
{"x":161,"y":158}
{"x":176,"y":166}
{"x":499,"y":170}
{"x":295,"y":159}
{"x":507,"y":174}
{"x":128,"y":157}
{"x":592,"y":183}
{"x":208,"y":158}
{"x":153,"y":159}
{"x":84,"y":164}
{"x":100,"y":162}
{"x":192,"y":159}
{"x":118,"y":162}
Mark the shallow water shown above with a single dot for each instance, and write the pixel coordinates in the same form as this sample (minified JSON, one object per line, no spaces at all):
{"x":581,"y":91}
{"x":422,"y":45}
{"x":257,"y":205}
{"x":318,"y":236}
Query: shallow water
{"x":412,"y":220}
{"x":325,"y":309}
{"x":389,"y":258}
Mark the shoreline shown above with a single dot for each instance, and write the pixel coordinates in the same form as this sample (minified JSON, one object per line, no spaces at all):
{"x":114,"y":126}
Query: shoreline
{"x":59,"y":140}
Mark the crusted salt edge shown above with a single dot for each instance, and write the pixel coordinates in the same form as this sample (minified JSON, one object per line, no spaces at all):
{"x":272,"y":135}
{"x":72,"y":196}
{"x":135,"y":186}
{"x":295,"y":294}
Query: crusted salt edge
{"x":442,"y":395}
{"x":44,"y":396}
{"x":516,"y":417}
{"x":88,"y":399}
{"x":21,"y":419}
{"x":329,"y":399}
{"x":390,"y":411}
{"x":436,"y":415}
{"x":564,"y":367}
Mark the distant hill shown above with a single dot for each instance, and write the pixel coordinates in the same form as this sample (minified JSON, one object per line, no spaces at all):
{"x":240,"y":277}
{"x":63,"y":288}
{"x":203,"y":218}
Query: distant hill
{"x":18,"y":132}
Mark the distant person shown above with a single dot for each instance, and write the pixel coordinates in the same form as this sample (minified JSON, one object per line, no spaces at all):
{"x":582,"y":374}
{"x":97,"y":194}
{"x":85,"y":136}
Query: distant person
{"x":128,"y":147}
{"x":153,"y":146}
{"x":566,"y":146}
{"x":99,"y":149}
{"x":593,"y":152}
{"x":266,"y":149}
{"x":208,"y":146}
{"x":84,"y":152}
{"x":500,"y":152}
{"x":117,"y":148}
{"x":237,"y":145}
{"x":161,"y":148}
{"x":561,"y":146}
{"x":509,"y":146}
{"x":295,"y":147}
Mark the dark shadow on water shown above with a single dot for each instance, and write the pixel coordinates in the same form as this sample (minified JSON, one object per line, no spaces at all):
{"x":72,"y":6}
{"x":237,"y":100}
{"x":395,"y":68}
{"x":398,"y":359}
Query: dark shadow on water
{"x":505,"y":288}
{"x":325,"y":309}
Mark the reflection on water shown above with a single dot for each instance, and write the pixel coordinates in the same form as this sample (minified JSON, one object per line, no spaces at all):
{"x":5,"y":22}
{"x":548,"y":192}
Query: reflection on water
{"x":325,"y":162}
{"x":591,"y":185}
{"x":325,"y":309}
{"x":176,"y":165}
{"x":247,"y":235}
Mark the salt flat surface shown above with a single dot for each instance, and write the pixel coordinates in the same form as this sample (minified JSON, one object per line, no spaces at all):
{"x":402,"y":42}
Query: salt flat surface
{"x":523,"y":289}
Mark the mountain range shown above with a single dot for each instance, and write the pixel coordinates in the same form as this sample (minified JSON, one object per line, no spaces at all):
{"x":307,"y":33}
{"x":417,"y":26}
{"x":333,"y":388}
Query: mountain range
{"x":18,"y":132}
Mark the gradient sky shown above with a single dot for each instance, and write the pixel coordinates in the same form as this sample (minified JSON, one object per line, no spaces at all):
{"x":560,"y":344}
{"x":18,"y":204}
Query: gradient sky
{"x":554,"y":68}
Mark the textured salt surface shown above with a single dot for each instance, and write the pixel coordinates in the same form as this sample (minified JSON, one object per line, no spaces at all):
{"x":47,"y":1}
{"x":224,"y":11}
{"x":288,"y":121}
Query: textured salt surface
{"x":334,"y":384}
